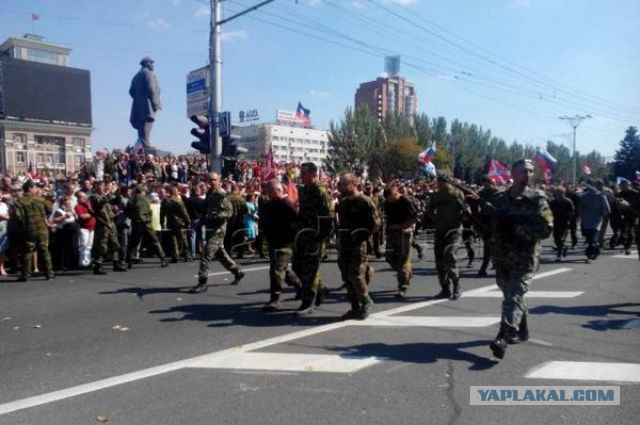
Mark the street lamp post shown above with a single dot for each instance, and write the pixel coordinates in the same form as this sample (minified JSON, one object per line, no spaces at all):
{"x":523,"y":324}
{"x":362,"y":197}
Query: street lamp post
{"x":574,"y":122}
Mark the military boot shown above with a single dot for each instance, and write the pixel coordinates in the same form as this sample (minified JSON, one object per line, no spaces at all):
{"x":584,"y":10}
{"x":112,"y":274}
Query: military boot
{"x":238,"y":275}
{"x":365,"y":308}
{"x":523,"y":332}
{"x":164,"y":262}
{"x":273,"y":304}
{"x":118,"y":267}
{"x":305,"y":309}
{"x":97,"y":269}
{"x":354,"y":313}
{"x":322,"y":292}
{"x":200,"y":287}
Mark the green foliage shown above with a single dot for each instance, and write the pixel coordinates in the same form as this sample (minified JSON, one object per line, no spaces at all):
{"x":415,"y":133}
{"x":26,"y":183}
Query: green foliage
{"x":628,"y":156}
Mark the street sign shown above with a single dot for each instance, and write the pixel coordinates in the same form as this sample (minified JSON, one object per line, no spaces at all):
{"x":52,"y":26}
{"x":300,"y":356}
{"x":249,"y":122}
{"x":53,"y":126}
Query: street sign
{"x":198,"y":92}
{"x":224,"y":123}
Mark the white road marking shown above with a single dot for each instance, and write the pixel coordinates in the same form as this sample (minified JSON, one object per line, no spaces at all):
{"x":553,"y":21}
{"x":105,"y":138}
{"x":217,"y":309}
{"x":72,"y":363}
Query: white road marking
{"x":632,"y":256}
{"x":50,"y":397}
{"x":431,"y":321}
{"x":540,"y":342}
{"x":249,"y":269}
{"x":587,"y":371}
{"x":551,"y":273}
{"x":289,"y":362}
{"x":531,"y":294}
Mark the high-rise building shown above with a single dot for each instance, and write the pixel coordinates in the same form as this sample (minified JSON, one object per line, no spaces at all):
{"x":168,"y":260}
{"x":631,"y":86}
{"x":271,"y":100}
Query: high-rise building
{"x":387,"y":96}
{"x":45,"y":108}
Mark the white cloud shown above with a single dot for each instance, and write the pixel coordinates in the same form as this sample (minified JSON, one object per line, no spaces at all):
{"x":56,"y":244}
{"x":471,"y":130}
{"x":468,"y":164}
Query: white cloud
{"x":319,"y":93}
{"x":159,"y":24}
{"x":203,"y":10}
{"x":234,"y":35}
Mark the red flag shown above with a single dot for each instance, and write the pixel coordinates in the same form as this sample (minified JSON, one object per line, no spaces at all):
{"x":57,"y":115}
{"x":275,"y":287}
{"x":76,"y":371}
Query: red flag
{"x":586,"y":169}
{"x":35,"y":17}
{"x":547,"y":175}
{"x":498,"y":172}
{"x":268,"y":168}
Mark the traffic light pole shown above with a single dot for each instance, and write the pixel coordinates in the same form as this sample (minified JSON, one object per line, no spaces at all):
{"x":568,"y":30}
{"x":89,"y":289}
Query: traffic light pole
{"x":215,"y":77}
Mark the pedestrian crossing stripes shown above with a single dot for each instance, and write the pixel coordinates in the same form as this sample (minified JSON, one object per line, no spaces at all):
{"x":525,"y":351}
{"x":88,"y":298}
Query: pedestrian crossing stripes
{"x":632,"y":256}
{"x":587,"y":371}
{"x":430,"y":321}
{"x":530,"y":294}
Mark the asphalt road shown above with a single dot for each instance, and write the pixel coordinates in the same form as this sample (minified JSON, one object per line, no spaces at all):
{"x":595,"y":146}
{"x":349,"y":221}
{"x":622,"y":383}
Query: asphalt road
{"x":136,"y":348}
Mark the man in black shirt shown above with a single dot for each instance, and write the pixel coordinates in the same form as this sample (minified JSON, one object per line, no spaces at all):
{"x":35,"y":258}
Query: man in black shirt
{"x":276,"y":218}
{"x":196,"y":208}
{"x":401,"y":216}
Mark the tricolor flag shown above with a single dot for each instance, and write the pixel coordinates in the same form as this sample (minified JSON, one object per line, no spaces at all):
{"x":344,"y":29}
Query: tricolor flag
{"x":498,"y":172}
{"x":35,"y":17}
{"x":586,"y":169}
{"x":544,"y":159}
{"x":429,"y":169}
{"x":547,"y":175}
{"x":302,"y":114}
{"x":268,"y":171}
{"x":426,"y":156}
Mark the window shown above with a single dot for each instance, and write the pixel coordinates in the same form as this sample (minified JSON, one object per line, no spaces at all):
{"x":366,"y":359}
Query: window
{"x":20,"y":157}
{"x":77,"y":159}
{"x":78,"y":141}
{"x":40,"y":158}
{"x":50,"y":140}
{"x":43,"y":56}
{"x":19,"y":138}
{"x":49,"y":158}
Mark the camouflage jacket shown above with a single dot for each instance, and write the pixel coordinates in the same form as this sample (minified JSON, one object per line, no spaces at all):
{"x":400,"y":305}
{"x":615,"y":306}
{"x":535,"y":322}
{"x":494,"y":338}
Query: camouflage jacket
{"x":445,"y":207}
{"x":518,"y":227}
{"x":315,"y":209}
{"x":139,"y":209}
{"x":32,"y":212}
{"x":175,"y":213}
{"x":218,"y":209}
{"x":101,"y":209}
{"x":358,"y":220}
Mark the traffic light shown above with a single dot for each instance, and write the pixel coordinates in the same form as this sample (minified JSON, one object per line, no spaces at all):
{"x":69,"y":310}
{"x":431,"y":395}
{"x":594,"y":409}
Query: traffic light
{"x":203,"y":145}
{"x":229,"y":148}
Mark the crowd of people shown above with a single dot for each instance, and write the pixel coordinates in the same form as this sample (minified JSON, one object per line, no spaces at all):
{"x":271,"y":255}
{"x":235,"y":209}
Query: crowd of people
{"x":125,"y":207}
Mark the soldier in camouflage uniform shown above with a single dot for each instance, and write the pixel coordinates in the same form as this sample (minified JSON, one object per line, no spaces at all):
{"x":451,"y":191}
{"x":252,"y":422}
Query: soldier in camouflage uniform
{"x":358,"y":221}
{"x":483,"y":220}
{"x":139,"y":211}
{"x":178,"y":222}
{"x":261,"y":242}
{"x":105,"y":237}
{"x":401,"y":216}
{"x":446,"y":209}
{"x":373,"y":247}
{"x":521,"y":219}
{"x":32,"y":212}
{"x":313,"y":227}
{"x":234,"y":237}
{"x":217,"y":212}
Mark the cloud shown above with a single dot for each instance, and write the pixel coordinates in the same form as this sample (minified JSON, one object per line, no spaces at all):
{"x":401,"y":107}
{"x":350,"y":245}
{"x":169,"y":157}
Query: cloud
{"x":319,"y":93}
{"x":203,"y":10}
{"x":234,"y":35}
{"x":159,"y":24}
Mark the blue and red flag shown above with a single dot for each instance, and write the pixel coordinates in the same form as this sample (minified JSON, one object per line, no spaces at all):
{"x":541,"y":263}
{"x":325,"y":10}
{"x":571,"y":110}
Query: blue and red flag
{"x":303,"y":113}
{"x":498,"y":172}
{"x":426,"y":156}
{"x":544,"y":159}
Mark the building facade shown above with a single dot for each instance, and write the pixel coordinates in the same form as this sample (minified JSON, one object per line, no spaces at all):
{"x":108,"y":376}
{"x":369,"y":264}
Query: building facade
{"x":45,"y":109}
{"x":289,"y":144}
{"x":388,"y":96}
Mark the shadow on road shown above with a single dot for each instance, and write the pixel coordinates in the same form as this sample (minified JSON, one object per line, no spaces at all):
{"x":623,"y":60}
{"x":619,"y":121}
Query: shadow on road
{"x":586,"y":310}
{"x":421,"y":352}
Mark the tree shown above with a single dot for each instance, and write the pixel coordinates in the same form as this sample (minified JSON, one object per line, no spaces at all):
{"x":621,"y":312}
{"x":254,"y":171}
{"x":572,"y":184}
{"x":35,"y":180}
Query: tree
{"x":397,"y":159}
{"x":628,"y":156}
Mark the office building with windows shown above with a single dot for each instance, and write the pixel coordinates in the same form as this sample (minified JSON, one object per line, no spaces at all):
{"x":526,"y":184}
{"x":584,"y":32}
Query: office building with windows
{"x":45,"y":108}
{"x":388,"y":96}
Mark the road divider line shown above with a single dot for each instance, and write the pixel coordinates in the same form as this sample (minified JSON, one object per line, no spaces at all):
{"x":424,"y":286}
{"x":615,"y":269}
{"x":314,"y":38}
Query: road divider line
{"x":431,"y":321}
{"x":587,"y":371}
{"x":54,"y":396}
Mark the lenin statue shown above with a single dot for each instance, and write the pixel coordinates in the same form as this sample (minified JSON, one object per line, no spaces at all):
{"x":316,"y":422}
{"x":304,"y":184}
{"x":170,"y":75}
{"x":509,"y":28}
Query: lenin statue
{"x":145,"y":93}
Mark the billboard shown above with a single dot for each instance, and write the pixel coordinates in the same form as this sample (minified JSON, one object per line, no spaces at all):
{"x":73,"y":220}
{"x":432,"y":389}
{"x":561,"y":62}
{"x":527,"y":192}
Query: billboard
{"x":38,"y":92}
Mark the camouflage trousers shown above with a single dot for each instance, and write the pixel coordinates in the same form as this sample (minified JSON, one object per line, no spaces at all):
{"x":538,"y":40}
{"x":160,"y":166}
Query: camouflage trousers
{"x":41,"y":245}
{"x":279,"y":273}
{"x":445,"y":247}
{"x":307,"y":257}
{"x":179,"y":244}
{"x":398,"y":255}
{"x":354,"y":268}
{"x":631,"y":230}
{"x":560,"y":234}
{"x":514,"y":284}
{"x":214,"y":249}
{"x":139,"y":231}
{"x":105,"y":243}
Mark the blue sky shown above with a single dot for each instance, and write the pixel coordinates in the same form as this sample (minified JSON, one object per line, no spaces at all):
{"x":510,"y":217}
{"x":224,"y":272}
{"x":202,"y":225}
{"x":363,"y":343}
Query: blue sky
{"x":512,"y":66}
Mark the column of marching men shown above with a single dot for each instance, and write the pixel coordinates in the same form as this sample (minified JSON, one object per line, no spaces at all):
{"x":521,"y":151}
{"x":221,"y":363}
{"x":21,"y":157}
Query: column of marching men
{"x":89,"y":222}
